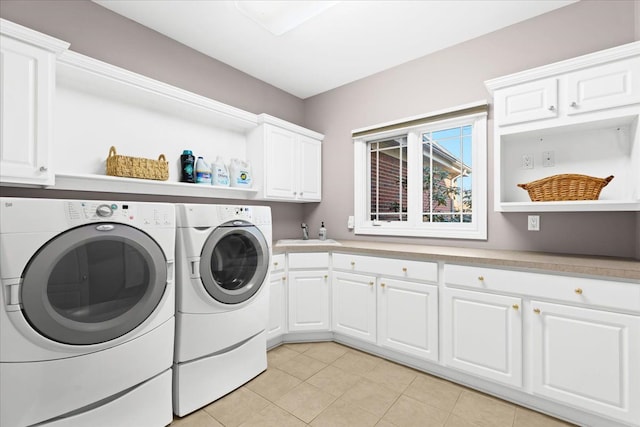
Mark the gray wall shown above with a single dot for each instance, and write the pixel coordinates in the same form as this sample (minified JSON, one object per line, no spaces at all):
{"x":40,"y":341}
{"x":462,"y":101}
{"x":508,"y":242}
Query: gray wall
{"x":447,"y":78}
{"x":456,"y":76}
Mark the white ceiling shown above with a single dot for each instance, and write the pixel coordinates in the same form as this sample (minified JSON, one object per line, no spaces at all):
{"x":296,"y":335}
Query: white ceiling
{"x":346,"y":42}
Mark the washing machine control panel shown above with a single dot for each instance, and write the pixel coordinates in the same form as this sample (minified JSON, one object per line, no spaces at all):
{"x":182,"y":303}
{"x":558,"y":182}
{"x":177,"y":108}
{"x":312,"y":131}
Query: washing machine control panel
{"x":80,"y":212}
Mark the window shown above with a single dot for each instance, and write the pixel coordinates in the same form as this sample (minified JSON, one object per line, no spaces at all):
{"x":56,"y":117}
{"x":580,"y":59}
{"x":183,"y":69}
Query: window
{"x":423,"y":176}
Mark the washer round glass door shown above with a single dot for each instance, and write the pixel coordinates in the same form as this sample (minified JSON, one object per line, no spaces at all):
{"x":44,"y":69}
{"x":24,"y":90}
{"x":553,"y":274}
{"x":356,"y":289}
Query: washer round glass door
{"x":234,"y":262}
{"x":93,"y":283}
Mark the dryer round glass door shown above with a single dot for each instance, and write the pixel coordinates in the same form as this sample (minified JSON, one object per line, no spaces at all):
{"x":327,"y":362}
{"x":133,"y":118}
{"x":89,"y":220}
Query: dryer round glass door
{"x":93,"y":283}
{"x":234,"y":262}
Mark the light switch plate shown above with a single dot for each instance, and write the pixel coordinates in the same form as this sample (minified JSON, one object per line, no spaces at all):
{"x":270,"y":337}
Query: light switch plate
{"x":533,"y":223}
{"x":351,"y":222}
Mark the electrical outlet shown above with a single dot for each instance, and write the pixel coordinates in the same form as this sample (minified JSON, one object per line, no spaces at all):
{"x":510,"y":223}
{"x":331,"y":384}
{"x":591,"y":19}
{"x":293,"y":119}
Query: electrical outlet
{"x":548,"y":159}
{"x":533,"y":223}
{"x":526,"y":161}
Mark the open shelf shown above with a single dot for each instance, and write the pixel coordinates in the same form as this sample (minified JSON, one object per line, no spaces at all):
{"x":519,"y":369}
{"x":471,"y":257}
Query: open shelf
{"x":597,"y":148}
{"x":112,"y":184}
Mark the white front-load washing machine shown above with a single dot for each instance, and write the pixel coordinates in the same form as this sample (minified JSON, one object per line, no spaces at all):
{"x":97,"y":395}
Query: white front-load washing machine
{"x":222,"y":260}
{"x":87,"y":303}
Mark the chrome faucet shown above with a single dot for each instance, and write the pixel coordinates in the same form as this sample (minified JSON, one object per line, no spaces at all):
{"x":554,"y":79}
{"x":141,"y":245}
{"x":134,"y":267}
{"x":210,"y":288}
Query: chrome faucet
{"x":305,"y":231}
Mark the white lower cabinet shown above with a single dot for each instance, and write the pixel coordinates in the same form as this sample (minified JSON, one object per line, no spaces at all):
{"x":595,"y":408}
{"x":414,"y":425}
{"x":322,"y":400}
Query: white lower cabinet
{"x":392,"y":306}
{"x":483,"y":335}
{"x":354,"y":305}
{"x":587,"y":358}
{"x":573,"y":341}
{"x":308,"y":301}
{"x":277,"y":306}
{"x":408,"y":317}
{"x":277,"y":325}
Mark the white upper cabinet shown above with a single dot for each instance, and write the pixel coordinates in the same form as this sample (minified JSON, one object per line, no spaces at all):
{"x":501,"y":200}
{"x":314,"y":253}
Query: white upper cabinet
{"x":526,"y":102}
{"x":578,"y":116}
{"x":287,"y":160}
{"x":607,"y":86}
{"x":27,"y":91}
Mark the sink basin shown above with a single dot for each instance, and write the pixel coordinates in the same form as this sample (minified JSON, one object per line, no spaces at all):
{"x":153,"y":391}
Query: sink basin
{"x":310,"y":242}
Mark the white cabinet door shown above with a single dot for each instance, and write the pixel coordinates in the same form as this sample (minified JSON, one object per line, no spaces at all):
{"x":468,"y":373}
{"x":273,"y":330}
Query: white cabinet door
{"x":483,"y":335}
{"x":277,"y":305}
{"x":354,"y":305}
{"x":587,"y":358}
{"x":408,"y":317}
{"x":26,"y":95}
{"x":606,"y":86}
{"x":526,"y":102}
{"x":280,"y":163}
{"x":310,"y":169}
{"x":293,"y":165}
{"x":308,"y":300}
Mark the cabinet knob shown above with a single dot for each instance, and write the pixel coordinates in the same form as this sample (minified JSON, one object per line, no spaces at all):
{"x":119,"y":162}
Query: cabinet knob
{"x":481,"y":278}
{"x":370,"y":283}
{"x":275,"y":264}
{"x":515,"y":306}
{"x":382,"y":285}
{"x":326,"y":276}
{"x":284,"y":279}
{"x":552,"y":108}
{"x":574,"y":104}
{"x":404,"y":269}
{"x":353,"y":263}
{"x":578,"y":291}
{"x":43,"y":168}
{"x":301,"y":193}
{"x":536,"y":310}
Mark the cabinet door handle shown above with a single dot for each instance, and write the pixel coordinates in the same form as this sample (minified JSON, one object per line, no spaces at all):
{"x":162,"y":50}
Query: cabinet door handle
{"x":536,"y":310}
{"x":275,"y":264}
{"x":578,"y":291}
{"x":552,"y":108}
{"x":301,"y":193}
{"x":481,"y":278}
{"x":404,"y":269}
{"x":353,"y":263}
{"x":382,"y":285}
{"x":574,"y":104}
{"x":284,"y":279}
{"x":326,"y":276}
{"x":515,"y":306}
{"x":370,"y":283}
{"x":43,"y":169}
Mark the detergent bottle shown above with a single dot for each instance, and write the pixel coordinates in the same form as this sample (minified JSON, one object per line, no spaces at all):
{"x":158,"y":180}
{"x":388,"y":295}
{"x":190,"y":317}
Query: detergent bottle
{"x":220,"y":173}
{"x":203,"y":172}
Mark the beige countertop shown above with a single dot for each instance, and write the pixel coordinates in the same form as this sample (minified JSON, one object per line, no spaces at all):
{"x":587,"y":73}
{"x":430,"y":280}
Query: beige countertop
{"x":574,"y":264}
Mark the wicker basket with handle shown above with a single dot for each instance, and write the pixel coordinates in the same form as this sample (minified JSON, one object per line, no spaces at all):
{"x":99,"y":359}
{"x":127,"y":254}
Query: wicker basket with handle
{"x":137,"y":167}
{"x":566,"y":187}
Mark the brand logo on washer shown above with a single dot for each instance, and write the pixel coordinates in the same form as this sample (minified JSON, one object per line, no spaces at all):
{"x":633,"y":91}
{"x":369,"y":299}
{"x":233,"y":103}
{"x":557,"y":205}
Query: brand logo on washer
{"x":105,"y":227}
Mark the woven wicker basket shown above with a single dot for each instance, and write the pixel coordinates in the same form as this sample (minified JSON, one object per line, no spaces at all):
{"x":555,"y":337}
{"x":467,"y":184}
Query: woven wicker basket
{"x":137,"y":167}
{"x":566,"y":187}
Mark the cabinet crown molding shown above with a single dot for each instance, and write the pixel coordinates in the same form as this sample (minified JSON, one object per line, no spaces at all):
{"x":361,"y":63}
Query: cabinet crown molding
{"x":266,"y":118}
{"x":27,"y":35}
{"x":613,"y":54}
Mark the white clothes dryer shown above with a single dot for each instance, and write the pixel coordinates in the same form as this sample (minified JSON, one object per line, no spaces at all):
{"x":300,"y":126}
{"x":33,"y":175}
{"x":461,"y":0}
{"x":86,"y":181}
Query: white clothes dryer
{"x":223,"y":255}
{"x":87,"y":303}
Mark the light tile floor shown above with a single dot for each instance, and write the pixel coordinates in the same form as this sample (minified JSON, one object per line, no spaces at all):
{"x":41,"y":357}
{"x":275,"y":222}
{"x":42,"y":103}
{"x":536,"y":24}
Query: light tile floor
{"x":328,"y":384}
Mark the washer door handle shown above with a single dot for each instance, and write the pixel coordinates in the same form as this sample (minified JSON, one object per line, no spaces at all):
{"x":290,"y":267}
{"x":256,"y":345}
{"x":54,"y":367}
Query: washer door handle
{"x":194,"y":268}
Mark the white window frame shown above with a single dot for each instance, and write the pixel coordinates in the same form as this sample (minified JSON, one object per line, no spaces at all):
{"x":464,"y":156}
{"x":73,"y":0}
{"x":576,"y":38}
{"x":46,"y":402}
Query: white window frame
{"x":414,"y":226}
